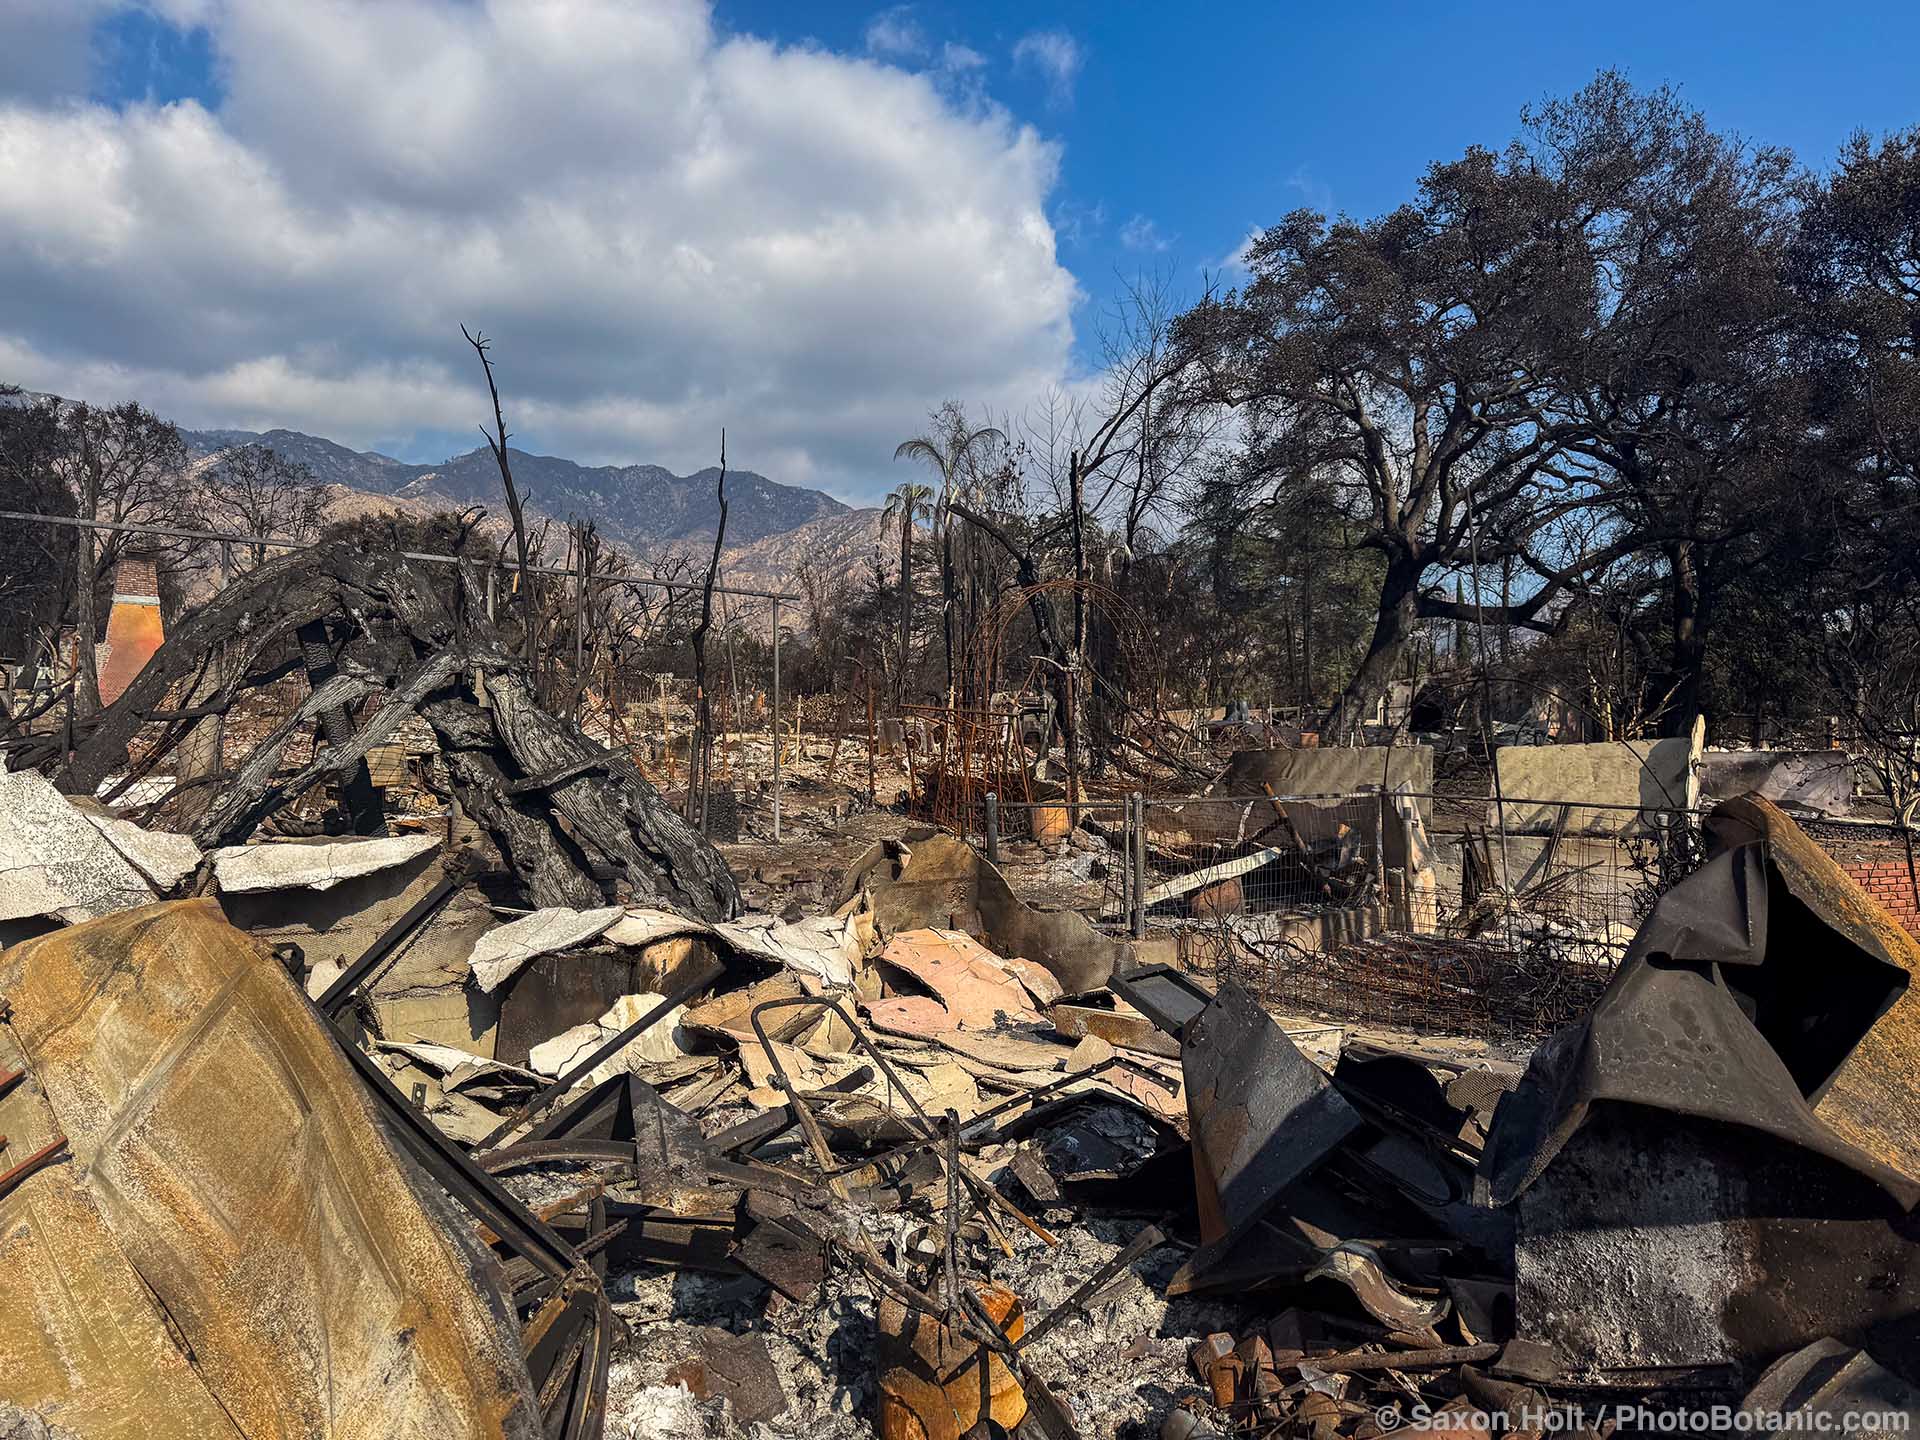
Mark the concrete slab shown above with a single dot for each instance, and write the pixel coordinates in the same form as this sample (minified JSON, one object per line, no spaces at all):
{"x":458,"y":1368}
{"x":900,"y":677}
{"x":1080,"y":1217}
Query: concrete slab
{"x":658,"y":1042}
{"x":1803,"y":782}
{"x":1642,"y":773}
{"x":296,"y":865}
{"x":502,"y":952}
{"x":1332,"y":771}
{"x":165,"y":859}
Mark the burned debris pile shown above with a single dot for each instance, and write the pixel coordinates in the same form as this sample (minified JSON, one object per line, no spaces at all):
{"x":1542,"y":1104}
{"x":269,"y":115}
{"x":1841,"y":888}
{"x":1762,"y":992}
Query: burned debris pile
{"x":568,"y":817}
{"x":542,"y":1133}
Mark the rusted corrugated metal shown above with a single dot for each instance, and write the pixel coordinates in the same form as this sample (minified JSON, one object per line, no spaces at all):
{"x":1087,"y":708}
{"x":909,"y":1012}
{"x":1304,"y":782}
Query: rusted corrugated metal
{"x":236,"y":1247}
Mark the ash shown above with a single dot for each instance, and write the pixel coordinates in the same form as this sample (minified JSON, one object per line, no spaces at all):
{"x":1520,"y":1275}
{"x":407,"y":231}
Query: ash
{"x":1121,"y":1367}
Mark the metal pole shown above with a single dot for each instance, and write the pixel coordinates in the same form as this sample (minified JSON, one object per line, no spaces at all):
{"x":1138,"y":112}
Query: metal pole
{"x":1139,"y":866}
{"x":776,"y":722}
{"x":993,"y":828}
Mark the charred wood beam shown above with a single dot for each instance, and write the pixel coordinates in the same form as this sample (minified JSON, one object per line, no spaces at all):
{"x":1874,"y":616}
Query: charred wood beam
{"x":356,"y":784}
{"x":565,"y":772}
{"x":255,"y":792}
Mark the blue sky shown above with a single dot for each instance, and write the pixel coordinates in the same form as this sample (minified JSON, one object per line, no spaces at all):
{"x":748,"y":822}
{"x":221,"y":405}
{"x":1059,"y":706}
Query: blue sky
{"x":1176,"y":131}
{"x":1208,"y":121}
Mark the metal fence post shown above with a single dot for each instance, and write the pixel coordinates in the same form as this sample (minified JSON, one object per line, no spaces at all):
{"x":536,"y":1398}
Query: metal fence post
{"x":1139,"y":866}
{"x":993,"y":828}
{"x":774,"y":723}
{"x":1380,"y":849}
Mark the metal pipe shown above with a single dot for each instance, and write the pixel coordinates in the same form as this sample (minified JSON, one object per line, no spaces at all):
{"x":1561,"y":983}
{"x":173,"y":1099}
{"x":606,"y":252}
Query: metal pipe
{"x":1139,"y":866}
{"x":993,"y":828}
{"x":347,"y":984}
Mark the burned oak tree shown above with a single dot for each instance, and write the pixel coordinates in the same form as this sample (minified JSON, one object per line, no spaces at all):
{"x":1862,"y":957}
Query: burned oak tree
{"x":573,"y":820}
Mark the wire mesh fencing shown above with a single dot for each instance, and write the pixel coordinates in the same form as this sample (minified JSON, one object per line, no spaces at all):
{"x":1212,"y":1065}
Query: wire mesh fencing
{"x":1351,"y":907}
{"x":1212,"y":856}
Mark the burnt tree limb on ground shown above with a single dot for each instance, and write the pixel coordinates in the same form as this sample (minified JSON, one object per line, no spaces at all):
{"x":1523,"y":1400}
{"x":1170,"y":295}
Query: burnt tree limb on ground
{"x":255,"y":788}
{"x":610,"y":813}
{"x":261,"y":610}
{"x":426,"y":643}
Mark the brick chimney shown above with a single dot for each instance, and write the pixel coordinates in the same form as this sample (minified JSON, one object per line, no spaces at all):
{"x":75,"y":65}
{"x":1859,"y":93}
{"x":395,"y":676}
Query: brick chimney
{"x":133,"y":627}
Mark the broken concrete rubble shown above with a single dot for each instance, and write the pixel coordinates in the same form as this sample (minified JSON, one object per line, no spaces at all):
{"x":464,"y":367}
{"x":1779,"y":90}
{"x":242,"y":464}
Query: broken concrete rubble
{"x":164,"y":859}
{"x":500,"y":954}
{"x":64,"y":862}
{"x":658,"y":1043}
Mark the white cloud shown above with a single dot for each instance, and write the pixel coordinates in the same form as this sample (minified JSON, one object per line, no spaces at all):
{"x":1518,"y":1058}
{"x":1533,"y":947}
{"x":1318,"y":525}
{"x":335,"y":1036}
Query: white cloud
{"x":1315,"y":193}
{"x":954,"y":56}
{"x":894,"y":33}
{"x":1056,"y":55}
{"x":1078,"y":224}
{"x":664,"y":230}
{"x":1140,"y":233}
{"x":1233,"y":266}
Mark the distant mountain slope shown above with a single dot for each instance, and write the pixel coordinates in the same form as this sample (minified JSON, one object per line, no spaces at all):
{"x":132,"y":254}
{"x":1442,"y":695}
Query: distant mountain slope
{"x":641,"y":506}
{"x":837,"y":545}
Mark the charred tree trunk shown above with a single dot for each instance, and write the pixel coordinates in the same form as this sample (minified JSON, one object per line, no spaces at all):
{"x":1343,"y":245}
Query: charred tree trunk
{"x":700,"y":761}
{"x":1046,"y":624}
{"x":608,"y":813}
{"x":1689,"y":653}
{"x":1399,"y":611}
{"x":949,"y":595}
{"x":906,"y":607}
{"x":497,"y":443}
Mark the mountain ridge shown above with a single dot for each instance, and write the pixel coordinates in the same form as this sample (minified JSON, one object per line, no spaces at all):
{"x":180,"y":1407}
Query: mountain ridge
{"x":646,"y":510}
{"x":641,"y":506}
